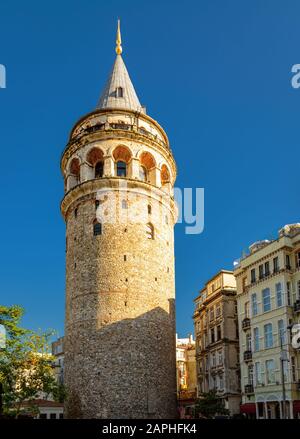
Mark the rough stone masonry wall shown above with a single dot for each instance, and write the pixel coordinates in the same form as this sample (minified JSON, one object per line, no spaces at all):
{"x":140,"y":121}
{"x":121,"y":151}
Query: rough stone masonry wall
{"x":120,"y":313}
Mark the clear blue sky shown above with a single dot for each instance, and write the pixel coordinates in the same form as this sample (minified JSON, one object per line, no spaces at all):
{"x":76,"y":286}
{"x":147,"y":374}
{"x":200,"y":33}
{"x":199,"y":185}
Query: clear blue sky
{"x":215,"y":74}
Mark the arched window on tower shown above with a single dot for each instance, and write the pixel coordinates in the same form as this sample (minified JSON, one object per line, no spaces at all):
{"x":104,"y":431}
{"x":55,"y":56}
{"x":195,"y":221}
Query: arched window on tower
{"x":99,"y":170}
{"x":149,"y":231}
{"x":119,"y":92}
{"x":143,"y":173}
{"x":95,"y":159}
{"x":121,"y":169}
{"x":74,"y":173}
{"x":147,"y":167}
{"x":165,"y":175}
{"x":97,"y":228}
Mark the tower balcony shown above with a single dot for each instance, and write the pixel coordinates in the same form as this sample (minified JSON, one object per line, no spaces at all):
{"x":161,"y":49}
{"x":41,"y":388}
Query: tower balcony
{"x":246,"y":324}
{"x":247,"y":355}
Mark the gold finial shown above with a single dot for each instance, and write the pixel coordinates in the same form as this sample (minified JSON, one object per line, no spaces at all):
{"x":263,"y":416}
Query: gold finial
{"x":118,"y":40}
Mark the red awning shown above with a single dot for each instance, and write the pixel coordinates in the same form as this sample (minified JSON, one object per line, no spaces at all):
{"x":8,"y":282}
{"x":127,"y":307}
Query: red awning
{"x":248,"y":408}
{"x":296,"y":406}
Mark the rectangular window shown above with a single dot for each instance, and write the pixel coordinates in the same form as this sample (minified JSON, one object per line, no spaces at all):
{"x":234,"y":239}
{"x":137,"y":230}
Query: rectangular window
{"x":279,"y":297}
{"x":261,"y":271}
{"x":281,"y":333}
{"x":253,"y":276}
{"x":250,"y":375}
{"x":256,"y":339}
{"x":267,"y":268}
{"x":212,"y":314}
{"x":221,"y":382}
{"x":218,"y":311}
{"x":270,"y":371}
{"x":258,"y":381}
{"x":213,"y":360}
{"x":219,"y":334}
{"x":266,"y":299}
{"x":220,"y":357}
{"x":254,"y":304}
{"x":248,"y":342}
{"x":212,"y":335}
{"x":247,"y":314}
{"x":287,"y":262}
{"x":275,"y":264}
{"x":293,"y":367}
{"x":52,"y":415}
{"x":268,"y":333}
{"x":288,"y":293}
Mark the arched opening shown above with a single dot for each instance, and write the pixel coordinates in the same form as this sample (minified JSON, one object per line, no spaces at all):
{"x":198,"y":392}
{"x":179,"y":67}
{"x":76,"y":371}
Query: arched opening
{"x":165,"y":175}
{"x":122,"y":157}
{"x":143,"y":173}
{"x":95,"y":159}
{"x":147,"y":166}
{"x":97,"y":228}
{"x":74,"y":177}
{"x":149,"y":231}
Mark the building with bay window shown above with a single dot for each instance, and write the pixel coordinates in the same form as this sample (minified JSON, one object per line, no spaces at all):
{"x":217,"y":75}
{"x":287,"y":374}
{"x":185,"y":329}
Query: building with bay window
{"x":217,"y":346}
{"x":268,"y":302}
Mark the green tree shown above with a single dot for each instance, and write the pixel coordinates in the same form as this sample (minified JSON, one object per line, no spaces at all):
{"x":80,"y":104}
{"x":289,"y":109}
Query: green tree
{"x":210,"y":405}
{"x":26,"y":365}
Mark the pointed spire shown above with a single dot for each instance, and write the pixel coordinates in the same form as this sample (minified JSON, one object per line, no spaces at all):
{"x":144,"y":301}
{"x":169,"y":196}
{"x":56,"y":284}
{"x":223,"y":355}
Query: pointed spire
{"x":119,"y":91}
{"x":119,"y":40}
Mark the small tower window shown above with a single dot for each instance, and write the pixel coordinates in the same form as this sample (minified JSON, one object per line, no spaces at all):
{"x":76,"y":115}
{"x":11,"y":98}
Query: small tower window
{"x":119,"y":92}
{"x":97,"y":204}
{"x":121,"y":169}
{"x":76,"y":212}
{"x":149,"y":209}
{"x":143,"y":173}
{"x":149,"y":231}
{"x":99,"y":170}
{"x":97,"y":228}
{"x":124,"y":204}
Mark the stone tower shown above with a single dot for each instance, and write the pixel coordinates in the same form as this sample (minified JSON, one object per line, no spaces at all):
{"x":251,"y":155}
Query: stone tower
{"x":119,"y":210}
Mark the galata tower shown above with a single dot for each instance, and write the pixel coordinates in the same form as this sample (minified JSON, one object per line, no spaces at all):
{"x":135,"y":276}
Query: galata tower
{"x":119,"y":210}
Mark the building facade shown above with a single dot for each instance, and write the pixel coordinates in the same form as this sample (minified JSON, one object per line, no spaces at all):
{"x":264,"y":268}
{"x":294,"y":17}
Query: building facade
{"x":268,"y":295}
{"x":119,"y":172}
{"x":58,"y":352}
{"x":217,"y":346}
{"x":186,"y":375}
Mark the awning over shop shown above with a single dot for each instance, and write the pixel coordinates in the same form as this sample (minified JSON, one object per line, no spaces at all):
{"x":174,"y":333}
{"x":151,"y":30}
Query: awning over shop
{"x":248,"y":408}
{"x":296,"y":406}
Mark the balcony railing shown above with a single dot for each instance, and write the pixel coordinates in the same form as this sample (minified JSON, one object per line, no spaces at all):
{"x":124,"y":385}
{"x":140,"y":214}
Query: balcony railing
{"x":248,"y":355}
{"x":297,"y":306}
{"x":249,"y":389}
{"x":246,"y":324}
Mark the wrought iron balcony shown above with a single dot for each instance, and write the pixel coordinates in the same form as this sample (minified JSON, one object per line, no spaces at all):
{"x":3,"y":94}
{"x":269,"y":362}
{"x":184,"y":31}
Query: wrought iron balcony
{"x":246,"y":324}
{"x":249,"y":389}
{"x":297,"y":306}
{"x":248,"y":355}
